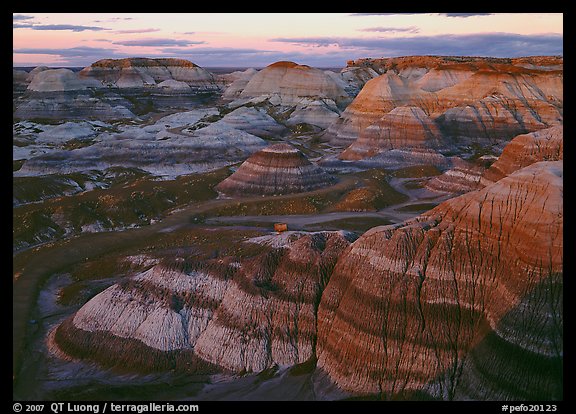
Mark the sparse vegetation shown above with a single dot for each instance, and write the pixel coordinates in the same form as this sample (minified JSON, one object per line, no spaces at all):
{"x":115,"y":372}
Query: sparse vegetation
{"x":417,"y":171}
{"x":133,"y":201}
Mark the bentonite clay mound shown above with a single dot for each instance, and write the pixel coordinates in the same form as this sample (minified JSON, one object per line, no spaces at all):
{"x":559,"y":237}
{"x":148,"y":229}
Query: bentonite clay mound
{"x":523,"y":150}
{"x":544,"y":145}
{"x":463,"y":302}
{"x":274,"y":170}
{"x":470,"y":100}
{"x":402,"y":127}
{"x":292,"y":82}
{"x":192,"y":316}
{"x":59,"y":80}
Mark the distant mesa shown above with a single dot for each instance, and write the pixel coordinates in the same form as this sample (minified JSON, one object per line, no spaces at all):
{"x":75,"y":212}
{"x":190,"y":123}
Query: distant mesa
{"x":275,"y":170}
{"x":60,"y":80}
{"x":143,"y":72}
{"x":406,"y":64}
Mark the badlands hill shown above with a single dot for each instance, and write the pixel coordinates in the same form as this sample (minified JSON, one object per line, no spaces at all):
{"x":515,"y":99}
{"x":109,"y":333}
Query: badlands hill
{"x":306,"y":95}
{"x":60,"y":80}
{"x":141,"y":72}
{"x":239,"y":314}
{"x":523,"y":150}
{"x":274,"y":170}
{"x":463,"y":302}
{"x":526,"y":149}
{"x":291,"y":82}
{"x":459,"y":101}
{"x":114,"y":89}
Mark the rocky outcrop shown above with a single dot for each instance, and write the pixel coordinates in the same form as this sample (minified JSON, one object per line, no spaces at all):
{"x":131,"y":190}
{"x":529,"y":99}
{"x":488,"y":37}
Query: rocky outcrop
{"x":462,"y":177}
{"x":355,"y":77}
{"x":471,"y":100}
{"x":237,"y":81}
{"x":274,"y":170}
{"x":171,"y":85}
{"x":378,"y":97}
{"x":314,"y":112}
{"x":543,"y":145}
{"x":402,"y":127}
{"x":523,"y":150}
{"x":19,"y":82}
{"x":59,"y":80}
{"x":452,"y":304}
{"x":66,"y":132}
{"x":254,"y":121}
{"x":243,"y":315}
{"x":144,"y":72}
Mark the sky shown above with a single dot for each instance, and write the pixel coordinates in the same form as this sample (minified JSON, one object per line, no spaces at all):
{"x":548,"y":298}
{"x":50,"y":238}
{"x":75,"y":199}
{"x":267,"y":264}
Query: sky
{"x":259,"y":39}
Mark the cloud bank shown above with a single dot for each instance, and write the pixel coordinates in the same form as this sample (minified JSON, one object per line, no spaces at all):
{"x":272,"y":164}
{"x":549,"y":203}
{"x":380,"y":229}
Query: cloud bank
{"x":158,"y":42}
{"x":461,"y":15}
{"x":411,"y":29}
{"x":481,"y":44}
{"x":72,"y":27}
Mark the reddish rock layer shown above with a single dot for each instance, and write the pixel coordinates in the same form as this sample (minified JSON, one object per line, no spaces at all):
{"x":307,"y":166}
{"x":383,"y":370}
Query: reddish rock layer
{"x":142,"y":62}
{"x":470,"y":100}
{"x":462,"y":177}
{"x":408,"y":306}
{"x":402,"y":127}
{"x":277,"y":169}
{"x":523,"y":150}
{"x":543,"y":145}
{"x":461,"y":62}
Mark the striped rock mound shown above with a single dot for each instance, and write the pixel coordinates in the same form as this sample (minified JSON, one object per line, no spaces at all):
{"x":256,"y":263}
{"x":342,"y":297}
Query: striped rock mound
{"x":544,"y":145}
{"x":402,"y":127}
{"x":289,"y":82}
{"x":189,"y":315}
{"x":461,"y":178}
{"x":463,"y":302}
{"x":472,"y":100}
{"x":274,"y":170}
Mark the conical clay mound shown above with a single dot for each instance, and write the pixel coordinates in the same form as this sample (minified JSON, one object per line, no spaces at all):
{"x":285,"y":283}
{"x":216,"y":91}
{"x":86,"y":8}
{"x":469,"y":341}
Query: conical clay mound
{"x":275,"y":170}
